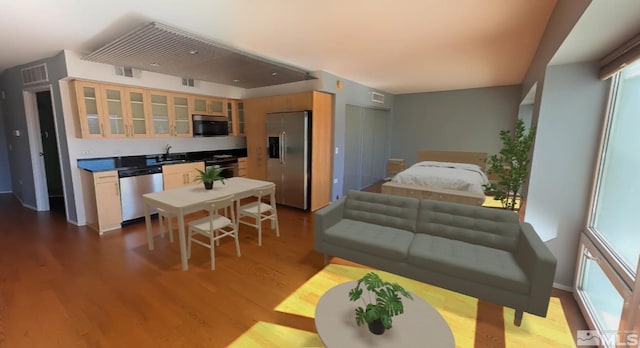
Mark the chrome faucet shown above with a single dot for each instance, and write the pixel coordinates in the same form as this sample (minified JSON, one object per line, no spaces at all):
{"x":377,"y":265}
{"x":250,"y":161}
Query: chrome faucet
{"x":168,"y":147}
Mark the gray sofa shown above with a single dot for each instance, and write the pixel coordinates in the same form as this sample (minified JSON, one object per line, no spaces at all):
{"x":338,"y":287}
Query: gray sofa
{"x":481,"y":252}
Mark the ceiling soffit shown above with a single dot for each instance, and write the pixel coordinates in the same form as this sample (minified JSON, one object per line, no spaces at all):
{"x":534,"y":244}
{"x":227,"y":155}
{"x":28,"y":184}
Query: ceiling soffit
{"x":159,"y":48}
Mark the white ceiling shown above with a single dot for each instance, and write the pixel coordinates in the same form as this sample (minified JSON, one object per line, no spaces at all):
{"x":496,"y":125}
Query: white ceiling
{"x":395,"y":46}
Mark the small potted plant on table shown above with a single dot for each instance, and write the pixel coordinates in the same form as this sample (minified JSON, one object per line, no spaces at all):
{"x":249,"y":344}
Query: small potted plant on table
{"x":385,"y":304}
{"x":208,"y":176}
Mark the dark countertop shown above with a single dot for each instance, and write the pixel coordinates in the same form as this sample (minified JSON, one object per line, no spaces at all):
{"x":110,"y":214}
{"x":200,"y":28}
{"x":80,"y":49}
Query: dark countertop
{"x":156,"y":160}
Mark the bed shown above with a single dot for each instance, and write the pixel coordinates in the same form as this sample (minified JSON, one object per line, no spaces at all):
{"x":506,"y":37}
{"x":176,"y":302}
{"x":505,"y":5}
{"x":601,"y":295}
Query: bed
{"x":454,"y":176}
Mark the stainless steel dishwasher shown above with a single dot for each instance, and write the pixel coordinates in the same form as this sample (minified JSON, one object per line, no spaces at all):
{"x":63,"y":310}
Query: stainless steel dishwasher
{"x":133,"y":184}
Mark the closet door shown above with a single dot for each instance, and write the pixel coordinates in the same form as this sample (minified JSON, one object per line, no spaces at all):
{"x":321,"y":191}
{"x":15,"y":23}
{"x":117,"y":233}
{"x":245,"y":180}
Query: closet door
{"x":352,"y":148}
{"x":374,"y":146}
{"x":365,"y":146}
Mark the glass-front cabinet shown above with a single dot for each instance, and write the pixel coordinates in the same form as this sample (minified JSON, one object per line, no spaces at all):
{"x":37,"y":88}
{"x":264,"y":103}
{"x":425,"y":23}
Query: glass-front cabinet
{"x":119,"y":111}
{"x":208,"y":106}
{"x":138,"y":112}
{"x":160,"y":113}
{"x":89,"y":102}
{"x":114,"y":111}
{"x":181,"y":117}
{"x":240,"y":109}
{"x":235,"y":117}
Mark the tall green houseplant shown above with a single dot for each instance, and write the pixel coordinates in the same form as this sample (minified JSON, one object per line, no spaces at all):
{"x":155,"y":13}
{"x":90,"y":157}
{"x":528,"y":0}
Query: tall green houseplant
{"x":511,"y":165}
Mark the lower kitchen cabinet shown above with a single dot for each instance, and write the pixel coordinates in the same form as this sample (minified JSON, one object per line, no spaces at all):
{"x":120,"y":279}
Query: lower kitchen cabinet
{"x":102,"y":200}
{"x":242,"y":167}
{"x":178,"y":175}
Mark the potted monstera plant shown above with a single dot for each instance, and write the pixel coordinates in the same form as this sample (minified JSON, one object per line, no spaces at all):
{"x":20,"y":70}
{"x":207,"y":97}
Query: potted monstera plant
{"x":209,"y":176}
{"x":381,"y":301}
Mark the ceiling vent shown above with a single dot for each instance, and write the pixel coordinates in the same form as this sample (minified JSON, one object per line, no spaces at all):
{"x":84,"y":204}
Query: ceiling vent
{"x":377,"y":97}
{"x":35,"y":74}
{"x":124,"y":71}
{"x":163,"y":49}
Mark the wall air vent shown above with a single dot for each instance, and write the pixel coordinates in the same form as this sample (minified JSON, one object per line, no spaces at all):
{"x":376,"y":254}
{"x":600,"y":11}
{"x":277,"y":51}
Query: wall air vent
{"x":188,"y":82}
{"x":123,"y":71}
{"x":377,"y":97}
{"x":35,"y":74}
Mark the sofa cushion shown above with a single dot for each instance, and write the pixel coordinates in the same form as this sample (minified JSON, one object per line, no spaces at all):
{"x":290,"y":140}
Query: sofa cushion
{"x":374,"y":239}
{"x":385,"y":210}
{"x":477,"y":263}
{"x":494,"y":228}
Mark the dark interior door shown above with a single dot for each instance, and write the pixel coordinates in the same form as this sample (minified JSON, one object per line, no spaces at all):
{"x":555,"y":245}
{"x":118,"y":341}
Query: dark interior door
{"x":50,"y":151}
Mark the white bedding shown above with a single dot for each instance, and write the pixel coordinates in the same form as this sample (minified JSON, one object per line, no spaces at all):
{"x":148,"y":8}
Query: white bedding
{"x":447,"y":175}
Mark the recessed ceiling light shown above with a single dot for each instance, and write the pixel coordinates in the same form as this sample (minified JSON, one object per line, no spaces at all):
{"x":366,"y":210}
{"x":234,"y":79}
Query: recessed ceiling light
{"x":194,"y":52}
{"x":154,"y":64}
{"x":274,"y":74}
{"x":236,"y":81}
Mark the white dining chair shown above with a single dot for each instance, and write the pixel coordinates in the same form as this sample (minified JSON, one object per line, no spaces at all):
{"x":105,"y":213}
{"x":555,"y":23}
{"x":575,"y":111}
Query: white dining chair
{"x":261,"y":209}
{"x":214,"y":227}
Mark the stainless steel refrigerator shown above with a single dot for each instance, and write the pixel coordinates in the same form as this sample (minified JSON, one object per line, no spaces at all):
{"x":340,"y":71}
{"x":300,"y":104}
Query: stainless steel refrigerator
{"x":288,"y":163}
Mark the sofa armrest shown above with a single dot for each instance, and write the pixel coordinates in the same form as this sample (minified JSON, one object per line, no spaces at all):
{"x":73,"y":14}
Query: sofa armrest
{"x":326,"y":217}
{"x":537,"y":261}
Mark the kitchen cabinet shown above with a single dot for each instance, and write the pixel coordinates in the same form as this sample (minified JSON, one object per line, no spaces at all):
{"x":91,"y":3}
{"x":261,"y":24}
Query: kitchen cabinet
{"x":235,"y":116}
{"x":208,"y":106}
{"x":114,"y":111}
{"x":242,"y":167}
{"x":89,"y":109}
{"x":138,"y":112}
{"x":178,"y":175}
{"x":101,"y":192}
{"x":170,"y":114}
{"x":118,"y":111}
{"x":110,"y":111}
{"x":181,"y":117}
{"x":321,"y":106}
{"x":255,"y":110}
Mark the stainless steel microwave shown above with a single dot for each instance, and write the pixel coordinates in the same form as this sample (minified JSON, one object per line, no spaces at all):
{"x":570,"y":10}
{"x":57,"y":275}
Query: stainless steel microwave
{"x":209,"y":126}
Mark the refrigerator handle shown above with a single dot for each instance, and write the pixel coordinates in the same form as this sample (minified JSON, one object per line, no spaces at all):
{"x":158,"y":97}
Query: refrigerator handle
{"x":283,"y":142}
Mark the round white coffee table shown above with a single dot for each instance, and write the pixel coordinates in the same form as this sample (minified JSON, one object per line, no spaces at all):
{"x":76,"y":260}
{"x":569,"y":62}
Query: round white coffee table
{"x":419,"y":326}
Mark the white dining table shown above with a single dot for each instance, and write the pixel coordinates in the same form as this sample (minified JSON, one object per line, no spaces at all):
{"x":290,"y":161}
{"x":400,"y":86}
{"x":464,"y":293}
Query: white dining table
{"x":189,"y":199}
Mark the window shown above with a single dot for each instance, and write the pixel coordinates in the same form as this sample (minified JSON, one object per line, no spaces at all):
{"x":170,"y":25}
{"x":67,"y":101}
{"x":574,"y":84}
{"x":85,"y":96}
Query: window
{"x":605,"y":285}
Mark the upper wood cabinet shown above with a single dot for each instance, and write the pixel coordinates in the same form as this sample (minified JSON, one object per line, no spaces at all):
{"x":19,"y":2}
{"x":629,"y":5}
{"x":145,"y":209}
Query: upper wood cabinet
{"x":208,"y":106}
{"x":235,"y":117}
{"x":138,"y":112}
{"x":170,"y":114}
{"x":113,"y":111}
{"x":181,"y":117}
{"x":118,"y":111}
{"x":89,"y":104}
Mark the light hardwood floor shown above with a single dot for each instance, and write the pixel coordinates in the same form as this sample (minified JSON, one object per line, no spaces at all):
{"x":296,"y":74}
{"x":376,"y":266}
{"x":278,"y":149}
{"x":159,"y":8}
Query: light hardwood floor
{"x":65,"y":286}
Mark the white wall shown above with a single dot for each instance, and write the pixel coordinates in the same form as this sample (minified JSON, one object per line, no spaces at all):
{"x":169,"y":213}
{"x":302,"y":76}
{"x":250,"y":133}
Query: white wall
{"x":572,"y":108}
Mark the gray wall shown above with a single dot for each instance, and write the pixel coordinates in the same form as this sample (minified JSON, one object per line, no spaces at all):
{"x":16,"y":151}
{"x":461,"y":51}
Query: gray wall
{"x":571,"y":112}
{"x":460,"y":120}
{"x":5,"y":173}
{"x":15,"y":119}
